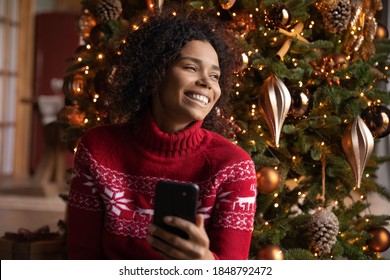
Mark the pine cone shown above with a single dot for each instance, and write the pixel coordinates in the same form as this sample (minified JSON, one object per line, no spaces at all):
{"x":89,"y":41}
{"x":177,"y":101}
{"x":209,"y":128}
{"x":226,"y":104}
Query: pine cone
{"x":108,"y":10}
{"x":337,"y":19}
{"x":324,"y":227}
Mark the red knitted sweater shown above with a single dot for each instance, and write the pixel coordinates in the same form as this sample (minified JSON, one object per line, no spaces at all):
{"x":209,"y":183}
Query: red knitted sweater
{"x":113,"y":182}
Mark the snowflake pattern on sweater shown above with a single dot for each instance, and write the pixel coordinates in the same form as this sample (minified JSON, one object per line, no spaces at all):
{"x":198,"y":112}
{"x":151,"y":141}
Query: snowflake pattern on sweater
{"x":115,"y":173}
{"x":116,"y":191}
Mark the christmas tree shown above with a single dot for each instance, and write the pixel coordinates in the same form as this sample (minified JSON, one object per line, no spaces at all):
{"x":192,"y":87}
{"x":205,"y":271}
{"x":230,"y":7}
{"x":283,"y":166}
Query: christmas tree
{"x":308,"y":106}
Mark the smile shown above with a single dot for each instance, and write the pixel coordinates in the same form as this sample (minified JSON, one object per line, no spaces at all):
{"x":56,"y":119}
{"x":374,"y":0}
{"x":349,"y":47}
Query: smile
{"x":198,"y":97}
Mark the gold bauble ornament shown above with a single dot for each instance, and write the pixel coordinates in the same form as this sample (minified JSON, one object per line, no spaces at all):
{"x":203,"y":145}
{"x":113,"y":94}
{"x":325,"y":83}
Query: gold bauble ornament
{"x":268,"y":180}
{"x":86,"y":23}
{"x":270,"y":252}
{"x":377,"y":119}
{"x":380,"y":240}
{"x":74,"y":85}
{"x":71,"y":115}
{"x":227,"y":4}
{"x":381,"y":32}
{"x":301,"y":103}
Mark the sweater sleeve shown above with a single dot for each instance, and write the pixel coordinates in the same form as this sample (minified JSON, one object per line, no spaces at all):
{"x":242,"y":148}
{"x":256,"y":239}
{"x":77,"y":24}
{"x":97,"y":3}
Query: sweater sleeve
{"x":85,"y":210}
{"x":231,"y":223}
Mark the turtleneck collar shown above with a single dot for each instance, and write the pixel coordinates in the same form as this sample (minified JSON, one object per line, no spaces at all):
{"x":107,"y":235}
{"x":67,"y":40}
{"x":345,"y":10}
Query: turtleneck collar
{"x":169,"y":144}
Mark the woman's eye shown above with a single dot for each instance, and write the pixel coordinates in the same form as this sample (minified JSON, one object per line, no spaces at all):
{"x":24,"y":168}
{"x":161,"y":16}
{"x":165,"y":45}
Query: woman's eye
{"x":215,"y":76}
{"x":189,"y":67}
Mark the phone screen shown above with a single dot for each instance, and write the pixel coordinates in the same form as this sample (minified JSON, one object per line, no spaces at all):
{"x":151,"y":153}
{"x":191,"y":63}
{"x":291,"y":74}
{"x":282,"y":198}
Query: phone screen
{"x":175,"y":199}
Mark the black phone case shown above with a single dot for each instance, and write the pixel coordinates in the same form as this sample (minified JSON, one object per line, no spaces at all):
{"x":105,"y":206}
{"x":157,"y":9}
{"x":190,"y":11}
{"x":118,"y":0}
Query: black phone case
{"x":175,"y":199}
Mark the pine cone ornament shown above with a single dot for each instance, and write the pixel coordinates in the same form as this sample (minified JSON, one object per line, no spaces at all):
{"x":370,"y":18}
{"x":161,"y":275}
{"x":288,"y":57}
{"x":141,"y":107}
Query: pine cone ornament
{"x":324,"y":227}
{"x":108,"y":10}
{"x":337,"y":19}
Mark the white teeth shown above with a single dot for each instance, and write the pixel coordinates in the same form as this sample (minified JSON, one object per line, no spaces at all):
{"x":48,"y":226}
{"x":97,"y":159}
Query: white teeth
{"x":201,"y":98}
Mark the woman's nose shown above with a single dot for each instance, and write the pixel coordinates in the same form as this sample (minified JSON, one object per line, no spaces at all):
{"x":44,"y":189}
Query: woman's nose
{"x":203,"y":83}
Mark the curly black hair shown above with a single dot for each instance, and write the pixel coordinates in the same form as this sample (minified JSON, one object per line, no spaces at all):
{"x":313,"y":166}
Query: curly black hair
{"x":150,"y":50}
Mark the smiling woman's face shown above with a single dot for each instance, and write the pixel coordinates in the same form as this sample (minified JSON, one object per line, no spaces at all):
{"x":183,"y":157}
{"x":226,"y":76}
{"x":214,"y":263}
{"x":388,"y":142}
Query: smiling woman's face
{"x":190,"y":88}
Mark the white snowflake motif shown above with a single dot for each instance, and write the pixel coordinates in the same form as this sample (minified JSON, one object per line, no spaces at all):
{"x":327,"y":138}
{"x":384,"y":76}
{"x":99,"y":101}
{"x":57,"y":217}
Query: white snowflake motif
{"x":115,"y":201}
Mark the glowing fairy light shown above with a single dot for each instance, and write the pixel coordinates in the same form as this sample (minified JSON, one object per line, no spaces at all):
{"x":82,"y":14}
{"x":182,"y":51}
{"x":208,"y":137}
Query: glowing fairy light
{"x":245,"y":59}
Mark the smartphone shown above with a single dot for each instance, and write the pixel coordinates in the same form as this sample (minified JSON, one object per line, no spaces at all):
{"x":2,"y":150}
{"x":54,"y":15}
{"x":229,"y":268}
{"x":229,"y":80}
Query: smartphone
{"x":175,"y":199}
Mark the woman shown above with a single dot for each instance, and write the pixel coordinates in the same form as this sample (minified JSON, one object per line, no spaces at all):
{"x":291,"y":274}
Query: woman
{"x":175,"y":71}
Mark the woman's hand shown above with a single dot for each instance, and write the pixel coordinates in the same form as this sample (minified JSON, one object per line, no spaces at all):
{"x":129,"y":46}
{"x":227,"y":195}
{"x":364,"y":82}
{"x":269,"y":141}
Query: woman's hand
{"x":175,"y":247}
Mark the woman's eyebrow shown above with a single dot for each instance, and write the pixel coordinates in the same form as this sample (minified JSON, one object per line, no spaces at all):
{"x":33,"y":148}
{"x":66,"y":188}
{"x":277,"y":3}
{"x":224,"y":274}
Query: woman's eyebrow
{"x":197,"y":60}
